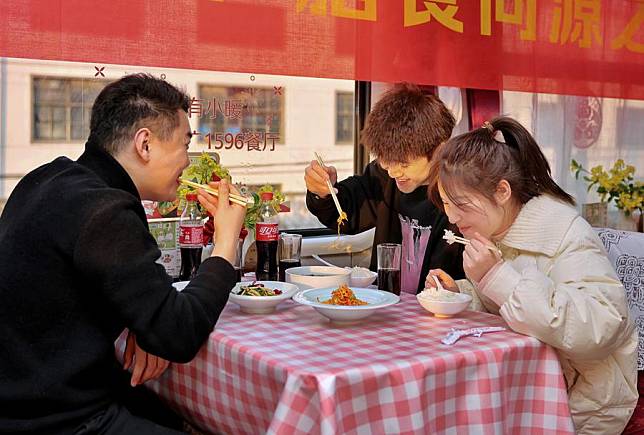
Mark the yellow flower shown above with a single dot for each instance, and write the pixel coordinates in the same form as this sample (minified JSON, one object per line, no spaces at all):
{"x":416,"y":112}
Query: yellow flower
{"x":615,"y":185}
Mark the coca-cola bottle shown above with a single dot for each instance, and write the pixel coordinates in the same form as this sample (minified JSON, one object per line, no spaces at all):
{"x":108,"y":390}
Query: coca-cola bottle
{"x":266,"y":235}
{"x":190,"y":238}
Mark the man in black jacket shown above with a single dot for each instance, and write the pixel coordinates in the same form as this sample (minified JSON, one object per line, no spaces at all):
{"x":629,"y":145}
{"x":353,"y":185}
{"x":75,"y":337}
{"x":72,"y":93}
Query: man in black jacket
{"x":77,"y":266}
{"x":402,"y":131}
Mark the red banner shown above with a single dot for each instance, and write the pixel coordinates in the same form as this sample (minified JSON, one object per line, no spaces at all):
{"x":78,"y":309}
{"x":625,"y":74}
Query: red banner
{"x":586,"y":47}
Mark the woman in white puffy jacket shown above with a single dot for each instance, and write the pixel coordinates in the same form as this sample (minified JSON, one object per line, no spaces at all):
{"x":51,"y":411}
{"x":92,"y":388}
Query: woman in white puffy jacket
{"x":550,"y":277}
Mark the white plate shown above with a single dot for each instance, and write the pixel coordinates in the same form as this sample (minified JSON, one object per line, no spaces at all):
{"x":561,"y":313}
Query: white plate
{"x":376,"y":300}
{"x":262,"y":304}
{"x":256,"y":304}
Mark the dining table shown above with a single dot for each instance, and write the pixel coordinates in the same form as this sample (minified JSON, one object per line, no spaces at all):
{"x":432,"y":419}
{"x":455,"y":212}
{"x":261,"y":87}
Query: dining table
{"x":295,"y":372}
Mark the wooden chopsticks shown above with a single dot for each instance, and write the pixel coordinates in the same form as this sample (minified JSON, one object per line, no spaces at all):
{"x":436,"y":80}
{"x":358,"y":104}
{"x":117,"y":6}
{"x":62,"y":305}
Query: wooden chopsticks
{"x":330,"y":186}
{"x":237,"y":199}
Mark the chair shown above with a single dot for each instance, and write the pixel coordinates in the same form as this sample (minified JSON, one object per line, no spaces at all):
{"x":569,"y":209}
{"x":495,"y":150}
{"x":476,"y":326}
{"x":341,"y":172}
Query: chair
{"x":626,"y":252}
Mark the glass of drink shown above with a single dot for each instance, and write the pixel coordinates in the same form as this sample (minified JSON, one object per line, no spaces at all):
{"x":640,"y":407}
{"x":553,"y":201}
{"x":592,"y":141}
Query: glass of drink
{"x":289,"y":250}
{"x":389,"y":267}
{"x":237,"y":264}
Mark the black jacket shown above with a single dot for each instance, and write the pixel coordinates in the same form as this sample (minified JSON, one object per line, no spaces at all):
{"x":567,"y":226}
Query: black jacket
{"x":373,"y":200}
{"x":77,"y":266}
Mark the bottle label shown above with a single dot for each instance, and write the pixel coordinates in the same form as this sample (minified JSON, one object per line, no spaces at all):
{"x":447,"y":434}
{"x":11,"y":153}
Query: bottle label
{"x":191,"y":236}
{"x":266,"y":232}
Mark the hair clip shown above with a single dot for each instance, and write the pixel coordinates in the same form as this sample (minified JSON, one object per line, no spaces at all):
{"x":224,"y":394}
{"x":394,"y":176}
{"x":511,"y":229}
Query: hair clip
{"x":498,"y":136}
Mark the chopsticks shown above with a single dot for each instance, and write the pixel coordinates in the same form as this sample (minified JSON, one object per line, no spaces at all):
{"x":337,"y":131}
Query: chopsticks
{"x":330,"y":186}
{"x":234,"y":198}
{"x":451,"y":238}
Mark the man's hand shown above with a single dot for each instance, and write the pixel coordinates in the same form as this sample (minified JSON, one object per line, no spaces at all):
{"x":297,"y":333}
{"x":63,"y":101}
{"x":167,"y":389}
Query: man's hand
{"x":478,"y":259}
{"x":315,"y":177}
{"x":229,"y":218}
{"x":146,"y":366}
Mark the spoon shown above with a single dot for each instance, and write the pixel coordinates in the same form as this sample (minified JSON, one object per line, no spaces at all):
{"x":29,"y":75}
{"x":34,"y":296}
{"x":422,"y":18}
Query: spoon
{"x":318,"y":258}
{"x":439,"y":286}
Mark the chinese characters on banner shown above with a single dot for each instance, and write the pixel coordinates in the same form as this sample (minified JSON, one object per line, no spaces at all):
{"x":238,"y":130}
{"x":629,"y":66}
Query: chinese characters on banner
{"x":339,"y":9}
{"x":579,"y":47}
{"x":570,"y":21}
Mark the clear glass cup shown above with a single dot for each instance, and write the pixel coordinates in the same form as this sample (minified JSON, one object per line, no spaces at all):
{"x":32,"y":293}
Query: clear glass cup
{"x":238,"y":264}
{"x":289,"y":249}
{"x":389,"y":255}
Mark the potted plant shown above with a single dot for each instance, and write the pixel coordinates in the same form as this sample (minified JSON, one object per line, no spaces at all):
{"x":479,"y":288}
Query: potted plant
{"x":617,"y":186}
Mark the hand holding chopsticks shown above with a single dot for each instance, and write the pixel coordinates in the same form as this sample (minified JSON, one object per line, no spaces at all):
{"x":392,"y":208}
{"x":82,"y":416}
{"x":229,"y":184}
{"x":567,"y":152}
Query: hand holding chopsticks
{"x":450,"y":237}
{"x":234,"y":198}
{"x":341,"y":213}
{"x":228,"y":216}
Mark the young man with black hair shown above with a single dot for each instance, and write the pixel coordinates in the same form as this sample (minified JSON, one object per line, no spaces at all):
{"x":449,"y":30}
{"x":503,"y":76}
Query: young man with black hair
{"x":77,"y":266}
{"x":402,"y":132}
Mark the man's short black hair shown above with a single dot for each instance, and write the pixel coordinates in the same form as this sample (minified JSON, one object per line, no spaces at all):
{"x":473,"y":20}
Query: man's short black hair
{"x":133,"y":102}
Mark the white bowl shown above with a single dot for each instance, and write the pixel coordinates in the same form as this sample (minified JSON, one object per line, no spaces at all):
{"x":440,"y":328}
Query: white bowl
{"x":262,"y":304}
{"x":363,"y":281}
{"x":306,"y":277}
{"x":377,"y":299}
{"x":444,"y":309}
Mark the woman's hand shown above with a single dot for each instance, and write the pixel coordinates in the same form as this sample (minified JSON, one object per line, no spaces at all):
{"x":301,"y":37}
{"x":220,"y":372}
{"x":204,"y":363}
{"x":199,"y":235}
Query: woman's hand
{"x":446,"y":281}
{"x":478,"y":259}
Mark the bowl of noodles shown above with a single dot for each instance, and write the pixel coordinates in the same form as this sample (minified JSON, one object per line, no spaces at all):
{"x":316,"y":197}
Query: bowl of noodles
{"x":345,"y":304}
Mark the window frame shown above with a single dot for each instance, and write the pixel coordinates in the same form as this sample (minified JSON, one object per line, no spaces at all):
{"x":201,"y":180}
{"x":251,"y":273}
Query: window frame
{"x":67,"y":106}
{"x":337,"y":95}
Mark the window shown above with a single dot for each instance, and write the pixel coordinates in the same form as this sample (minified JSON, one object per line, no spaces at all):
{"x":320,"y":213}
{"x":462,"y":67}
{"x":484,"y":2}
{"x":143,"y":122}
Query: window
{"x":299,"y":112}
{"x":344,"y":117}
{"x":228,"y":109}
{"x":62,"y":108}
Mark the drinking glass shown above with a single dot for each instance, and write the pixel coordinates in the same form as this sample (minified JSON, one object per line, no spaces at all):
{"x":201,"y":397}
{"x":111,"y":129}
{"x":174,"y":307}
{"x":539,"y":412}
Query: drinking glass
{"x":389,"y":267}
{"x":289,"y":249}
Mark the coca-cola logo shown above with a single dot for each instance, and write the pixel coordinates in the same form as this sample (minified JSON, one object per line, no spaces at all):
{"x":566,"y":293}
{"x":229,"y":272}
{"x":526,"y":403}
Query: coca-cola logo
{"x":267,"y":231}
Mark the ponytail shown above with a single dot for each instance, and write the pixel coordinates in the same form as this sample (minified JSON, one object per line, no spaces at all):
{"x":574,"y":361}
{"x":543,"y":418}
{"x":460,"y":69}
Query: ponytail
{"x":530,"y":159}
{"x":500,"y":150}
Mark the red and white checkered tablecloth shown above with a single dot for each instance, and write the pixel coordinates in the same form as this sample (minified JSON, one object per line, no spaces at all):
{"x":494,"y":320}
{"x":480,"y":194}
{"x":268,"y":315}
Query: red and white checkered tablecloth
{"x":294,"y":372}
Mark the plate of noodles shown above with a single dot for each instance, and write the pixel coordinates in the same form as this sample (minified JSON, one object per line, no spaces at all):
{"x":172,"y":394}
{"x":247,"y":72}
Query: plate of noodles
{"x":345,"y":304}
{"x":261,"y":297}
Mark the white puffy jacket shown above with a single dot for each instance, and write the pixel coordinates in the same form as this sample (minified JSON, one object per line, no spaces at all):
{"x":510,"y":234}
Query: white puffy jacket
{"x":556,"y":284}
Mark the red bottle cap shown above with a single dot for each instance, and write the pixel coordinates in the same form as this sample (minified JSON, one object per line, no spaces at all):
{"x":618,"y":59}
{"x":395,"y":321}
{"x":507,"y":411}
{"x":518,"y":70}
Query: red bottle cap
{"x":266,"y":196}
{"x":191,"y":196}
